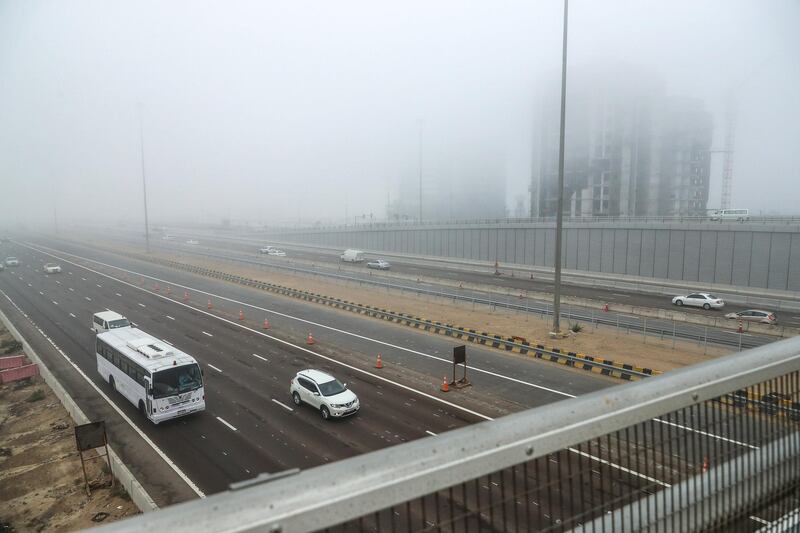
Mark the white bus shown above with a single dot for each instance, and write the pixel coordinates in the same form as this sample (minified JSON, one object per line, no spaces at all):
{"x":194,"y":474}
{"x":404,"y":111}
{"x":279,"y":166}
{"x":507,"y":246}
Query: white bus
{"x":161,"y":381}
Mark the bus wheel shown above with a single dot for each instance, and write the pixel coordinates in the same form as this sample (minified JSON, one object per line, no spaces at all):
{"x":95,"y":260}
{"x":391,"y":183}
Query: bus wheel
{"x":111,"y":382}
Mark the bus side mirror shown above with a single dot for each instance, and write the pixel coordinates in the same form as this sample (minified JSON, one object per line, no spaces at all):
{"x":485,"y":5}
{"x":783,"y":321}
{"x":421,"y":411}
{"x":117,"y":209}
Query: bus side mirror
{"x":148,"y":386}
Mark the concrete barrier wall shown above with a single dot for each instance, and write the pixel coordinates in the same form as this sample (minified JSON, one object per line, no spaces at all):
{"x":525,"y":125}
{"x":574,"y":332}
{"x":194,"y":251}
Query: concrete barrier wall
{"x":138,"y":494}
{"x":760,"y":256}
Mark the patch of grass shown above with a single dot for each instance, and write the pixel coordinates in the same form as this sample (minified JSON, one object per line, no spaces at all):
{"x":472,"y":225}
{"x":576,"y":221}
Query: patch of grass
{"x":36,"y":396}
{"x":576,"y":327}
{"x":10,"y":346}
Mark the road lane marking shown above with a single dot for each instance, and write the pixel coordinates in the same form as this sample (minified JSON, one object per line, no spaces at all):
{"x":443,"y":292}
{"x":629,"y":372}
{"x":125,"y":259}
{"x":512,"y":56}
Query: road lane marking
{"x":58,"y":282}
{"x":142,"y":305}
{"x":114,"y":406}
{"x":760,"y":520}
{"x":332,"y":360}
{"x":283,"y":405}
{"x":169,"y":317}
{"x":215,"y":368}
{"x":29,"y":285}
{"x":84,"y":279}
{"x":262,"y":358}
{"x":88,"y":299}
{"x":207,"y":333}
{"x":54,"y":302}
{"x":165,"y":340}
{"x":230,"y":426}
{"x":430,"y":433}
{"x":40,"y":292}
{"x":622,"y":295}
{"x":73,"y":316}
{"x":71,"y":289}
{"x":118,"y":294}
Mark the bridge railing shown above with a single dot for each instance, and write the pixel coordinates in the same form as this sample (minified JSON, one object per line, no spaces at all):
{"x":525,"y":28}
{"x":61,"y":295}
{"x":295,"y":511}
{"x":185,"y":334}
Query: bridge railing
{"x":711,"y":446}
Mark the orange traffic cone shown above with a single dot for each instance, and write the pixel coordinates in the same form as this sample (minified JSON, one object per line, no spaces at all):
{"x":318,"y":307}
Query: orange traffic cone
{"x":209,"y":303}
{"x":445,"y":385}
{"x":310,"y":340}
{"x":705,"y":464}
{"x":266,"y":324}
{"x":379,"y":363}
{"x":241,"y":314}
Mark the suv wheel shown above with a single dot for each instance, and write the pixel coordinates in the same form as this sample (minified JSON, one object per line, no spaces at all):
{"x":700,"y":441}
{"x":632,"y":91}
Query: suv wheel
{"x":296,"y":398}
{"x":324,"y":412}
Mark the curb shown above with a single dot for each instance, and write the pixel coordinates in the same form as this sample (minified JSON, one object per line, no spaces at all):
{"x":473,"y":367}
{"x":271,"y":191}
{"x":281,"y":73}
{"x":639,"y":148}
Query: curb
{"x":138,"y":494}
{"x":519,"y":345}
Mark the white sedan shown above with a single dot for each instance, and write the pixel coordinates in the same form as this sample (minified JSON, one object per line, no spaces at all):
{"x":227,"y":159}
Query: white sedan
{"x":51,"y":268}
{"x":699,"y":299}
{"x":277,"y":253}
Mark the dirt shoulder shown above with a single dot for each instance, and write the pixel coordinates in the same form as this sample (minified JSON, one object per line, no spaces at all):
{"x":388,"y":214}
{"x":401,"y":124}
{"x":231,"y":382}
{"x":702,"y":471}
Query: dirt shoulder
{"x":41,"y":479}
{"x":599,"y":341}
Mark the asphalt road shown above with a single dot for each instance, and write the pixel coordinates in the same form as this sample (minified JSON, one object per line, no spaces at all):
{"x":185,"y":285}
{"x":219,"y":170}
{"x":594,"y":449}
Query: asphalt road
{"x":445,"y":271}
{"x":250,"y":425}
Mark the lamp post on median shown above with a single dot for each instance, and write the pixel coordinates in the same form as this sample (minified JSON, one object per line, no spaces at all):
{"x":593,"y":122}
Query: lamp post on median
{"x":144,"y":183}
{"x":560,"y":206}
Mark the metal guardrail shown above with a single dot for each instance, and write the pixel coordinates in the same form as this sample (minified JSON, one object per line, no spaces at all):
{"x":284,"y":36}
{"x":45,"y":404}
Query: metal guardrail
{"x":693,"y":449}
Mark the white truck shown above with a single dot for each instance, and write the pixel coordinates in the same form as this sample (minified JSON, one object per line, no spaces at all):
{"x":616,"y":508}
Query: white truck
{"x":352,"y":256}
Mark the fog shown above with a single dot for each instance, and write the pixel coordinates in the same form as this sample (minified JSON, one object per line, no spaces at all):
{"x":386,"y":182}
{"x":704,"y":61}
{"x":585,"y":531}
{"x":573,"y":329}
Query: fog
{"x":287,"y":112}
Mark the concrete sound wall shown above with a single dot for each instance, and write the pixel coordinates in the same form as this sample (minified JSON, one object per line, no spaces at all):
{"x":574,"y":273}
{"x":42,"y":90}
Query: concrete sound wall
{"x":748,"y":255}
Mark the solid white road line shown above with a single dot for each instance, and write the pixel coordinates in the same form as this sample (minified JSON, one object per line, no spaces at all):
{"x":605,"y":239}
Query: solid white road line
{"x":207,"y":333}
{"x":283,"y":405}
{"x":165,"y":340}
{"x":431,"y":433}
{"x":230,"y":426}
{"x":262,"y":358}
{"x":215,"y":368}
{"x":103,"y":395}
{"x":169,"y":317}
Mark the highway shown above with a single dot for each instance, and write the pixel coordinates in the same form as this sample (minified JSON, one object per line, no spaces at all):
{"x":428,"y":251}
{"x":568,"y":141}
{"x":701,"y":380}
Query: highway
{"x":250,"y":425}
{"x":305,"y":262}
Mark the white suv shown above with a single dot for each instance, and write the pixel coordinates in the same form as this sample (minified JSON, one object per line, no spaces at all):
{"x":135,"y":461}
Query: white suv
{"x":323,"y":392}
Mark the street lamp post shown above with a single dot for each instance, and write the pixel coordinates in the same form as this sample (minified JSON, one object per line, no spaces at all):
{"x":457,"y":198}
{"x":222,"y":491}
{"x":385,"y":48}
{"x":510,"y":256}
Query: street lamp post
{"x":560,"y":207}
{"x":144,"y":183}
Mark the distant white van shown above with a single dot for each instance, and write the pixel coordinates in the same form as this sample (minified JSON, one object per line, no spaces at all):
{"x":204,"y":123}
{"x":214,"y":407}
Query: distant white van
{"x":731,"y":214}
{"x":106,"y":320}
{"x":353,"y":256}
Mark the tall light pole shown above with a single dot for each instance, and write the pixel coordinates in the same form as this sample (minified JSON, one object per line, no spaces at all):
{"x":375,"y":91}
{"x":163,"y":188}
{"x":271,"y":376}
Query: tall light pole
{"x":144,"y":182}
{"x":421,"y":124}
{"x":560,"y":207}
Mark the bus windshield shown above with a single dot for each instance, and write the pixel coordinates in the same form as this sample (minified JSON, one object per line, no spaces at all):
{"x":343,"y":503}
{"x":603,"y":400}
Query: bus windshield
{"x":176,"y":380}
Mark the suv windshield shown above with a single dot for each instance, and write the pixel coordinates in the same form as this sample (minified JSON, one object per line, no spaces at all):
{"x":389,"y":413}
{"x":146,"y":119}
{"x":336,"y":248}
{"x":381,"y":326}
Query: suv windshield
{"x":332,"y":388}
{"x":120,"y":323}
{"x":177,"y":380}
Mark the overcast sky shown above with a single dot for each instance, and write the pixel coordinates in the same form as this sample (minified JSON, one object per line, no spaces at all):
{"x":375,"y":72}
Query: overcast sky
{"x":279,"y":111}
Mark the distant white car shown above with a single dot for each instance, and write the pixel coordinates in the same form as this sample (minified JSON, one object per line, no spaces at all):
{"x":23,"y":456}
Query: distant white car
{"x":12,"y":261}
{"x":323,"y":392}
{"x":277,"y":253}
{"x":379,"y":264}
{"x":51,"y":268}
{"x":699,"y":299}
{"x":266,"y":249}
{"x":192,"y":241}
{"x":754,"y":315}
{"x":167,"y":237}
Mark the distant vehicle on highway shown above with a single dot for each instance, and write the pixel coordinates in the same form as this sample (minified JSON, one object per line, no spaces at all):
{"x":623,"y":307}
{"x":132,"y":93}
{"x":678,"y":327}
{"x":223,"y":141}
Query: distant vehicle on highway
{"x":192,"y":241}
{"x":277,"y":253}
{"x":754,"y":315}
{"x":323,"y":392}
{"x":12,"y":261}
{"x":352,"y":256}
{"x":699,"y":299}
{"x":51,"y":268}
{"x":106,"y":320}
{"x":160,"y":380}
{"x":266,"y":249}
{"x":731,"y":214}
{"x":379,"y":264}
{"x":167,"y":237}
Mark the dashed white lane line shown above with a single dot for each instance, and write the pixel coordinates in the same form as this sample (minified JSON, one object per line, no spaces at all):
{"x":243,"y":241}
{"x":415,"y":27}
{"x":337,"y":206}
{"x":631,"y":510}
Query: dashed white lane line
{"x":99,"y":286}
{"x":283,"y":405}
{"x":58,"y":282}
{"x":215,"y":368}
{"x":169,"y":317}
{"x":29,"y":285}
{"x":262,"y":358}
{"x":142,"y":305}
{"x":54,"y":302}
{"x":84,"y":279}
{"x":207,"y":333}
{"x":431,"y":433}
{"x":71,"y":289}
{"x":40,"y":292}
{"x":227,"y":424}
{"x":118,"y":294}
{"x":88,"y":299}
{"x":73,"y":316}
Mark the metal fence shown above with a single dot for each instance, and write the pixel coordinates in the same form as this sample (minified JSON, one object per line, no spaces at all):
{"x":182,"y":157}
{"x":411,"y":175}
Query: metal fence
{"x":711,"y":447}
